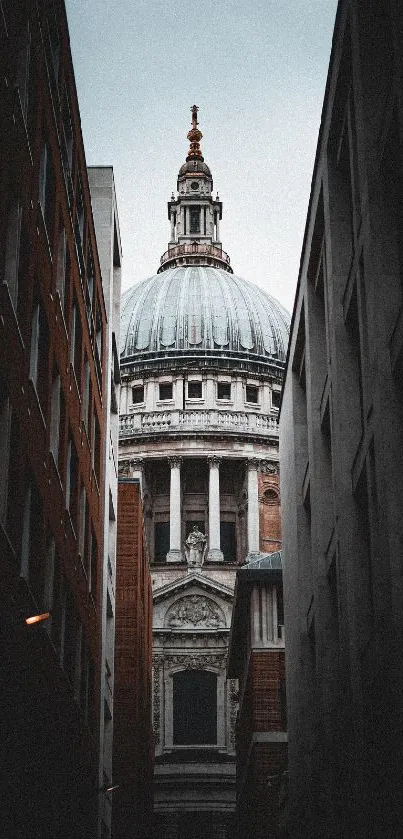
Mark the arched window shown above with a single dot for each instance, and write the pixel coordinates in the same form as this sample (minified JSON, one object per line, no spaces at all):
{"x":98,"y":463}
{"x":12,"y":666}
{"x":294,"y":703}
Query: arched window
{"x":194,"y":708}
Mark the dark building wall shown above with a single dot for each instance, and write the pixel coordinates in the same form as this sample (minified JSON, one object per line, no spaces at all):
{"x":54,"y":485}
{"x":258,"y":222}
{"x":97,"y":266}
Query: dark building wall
{"x":340,"y":447}
{"x":133,"y":745}
{"x":52,"y":328}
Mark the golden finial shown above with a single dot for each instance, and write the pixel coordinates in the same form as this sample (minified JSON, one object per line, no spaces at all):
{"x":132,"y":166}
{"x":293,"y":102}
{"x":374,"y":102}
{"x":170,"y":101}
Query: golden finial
{"x":194,"y":135}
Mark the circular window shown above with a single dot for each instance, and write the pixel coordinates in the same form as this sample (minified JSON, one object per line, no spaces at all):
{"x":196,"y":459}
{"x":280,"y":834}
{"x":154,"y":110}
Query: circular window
{"x":194,"y":185}
{"x":271,"y":496}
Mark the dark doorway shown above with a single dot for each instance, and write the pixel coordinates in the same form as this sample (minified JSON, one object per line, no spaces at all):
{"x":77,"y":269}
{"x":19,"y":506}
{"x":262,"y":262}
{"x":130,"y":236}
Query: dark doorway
{"x":161,"y":541}
{"x":194,"y":708}
{"x":227,"y":540}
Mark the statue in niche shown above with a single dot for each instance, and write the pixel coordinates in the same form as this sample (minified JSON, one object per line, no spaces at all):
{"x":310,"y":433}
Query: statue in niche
{"x":195,"y":547}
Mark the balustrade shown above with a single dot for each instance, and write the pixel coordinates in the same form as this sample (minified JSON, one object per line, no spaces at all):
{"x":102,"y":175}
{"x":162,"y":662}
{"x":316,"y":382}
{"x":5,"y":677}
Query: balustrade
{"x":209,"y":420}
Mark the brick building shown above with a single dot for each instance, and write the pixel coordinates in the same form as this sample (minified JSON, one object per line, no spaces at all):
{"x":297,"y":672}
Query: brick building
{"x":341,"y":450}
{"x":133,"y":749}
{"x":53,"y":356}
{"x":256,"y":659}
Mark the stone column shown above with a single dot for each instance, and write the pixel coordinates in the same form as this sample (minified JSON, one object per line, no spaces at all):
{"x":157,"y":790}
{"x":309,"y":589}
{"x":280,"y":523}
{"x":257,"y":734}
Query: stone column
{"x":175,"y":553}
{"x":253,"y":508}
{"x":214,"y":554}
{"x":217,"y":226}
{"x":172,"y":226}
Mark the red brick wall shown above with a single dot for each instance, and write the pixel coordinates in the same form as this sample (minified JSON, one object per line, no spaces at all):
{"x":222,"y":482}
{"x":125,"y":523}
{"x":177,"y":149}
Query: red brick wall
{"x":29,"y":589}
{"x":269,"y":513}
{"x":133,"y":741}
{"x":260,"y":766}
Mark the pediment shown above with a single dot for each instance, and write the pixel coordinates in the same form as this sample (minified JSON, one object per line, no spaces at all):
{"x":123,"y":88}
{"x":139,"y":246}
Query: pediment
{"x":192,"y":604}
{"x":189,"y":581}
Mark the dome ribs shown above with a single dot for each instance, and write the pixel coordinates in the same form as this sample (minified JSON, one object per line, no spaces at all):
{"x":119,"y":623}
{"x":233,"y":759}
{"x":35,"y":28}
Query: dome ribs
{"x":205,"y":310}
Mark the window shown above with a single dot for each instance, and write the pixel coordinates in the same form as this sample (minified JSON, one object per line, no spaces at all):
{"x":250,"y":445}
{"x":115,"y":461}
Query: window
{"x":195,"y":390}
{"x":33,"y":552}
{"x":79,"y":226}
{"x":53,"y":46}
{"x":72,"y":484}
{"x":55,"y":417}
{"x":61,"y":265}
{"x":194,"y":220}
{"x":67,"y":133}
{"x":96,"y":448}
{"x":89,"y":286}
{"x":12,"y":247}
{"x":38,"y":363}
{"x":83,"y":523}
{"x":23,"y":62}
{"x":165,"y":390}
{"x":194,"y":708}
{"x":223,"y":390}
{"x":161,"y":541}
{"x":47,"y":191}
{"x":93,"y":562}
{"x":252,"y":394}
{"x":228,"y":540}
{"x":86,"y":393}
{"x":98,"y":344}
{"x":275,"y":399}
{"x":138,"y":394}
{"x":75,"y":343}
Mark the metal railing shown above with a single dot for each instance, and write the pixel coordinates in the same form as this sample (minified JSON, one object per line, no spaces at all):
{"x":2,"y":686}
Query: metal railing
{"x":195,"y":249}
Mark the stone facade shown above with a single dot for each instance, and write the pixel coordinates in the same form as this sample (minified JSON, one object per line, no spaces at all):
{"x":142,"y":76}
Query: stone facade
{"x":199,"y":430}
{"x":341,"y":451}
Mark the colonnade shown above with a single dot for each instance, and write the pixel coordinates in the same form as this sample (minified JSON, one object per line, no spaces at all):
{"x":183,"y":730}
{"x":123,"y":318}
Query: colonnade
{"x":214,"y":553}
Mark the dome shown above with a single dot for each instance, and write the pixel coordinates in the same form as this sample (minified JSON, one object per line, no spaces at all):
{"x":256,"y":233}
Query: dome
{"x":204,"y":310}
{"x":194,"y":165}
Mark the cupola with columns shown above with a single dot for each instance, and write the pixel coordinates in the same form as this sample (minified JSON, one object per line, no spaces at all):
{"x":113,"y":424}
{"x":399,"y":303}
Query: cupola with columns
{"x":194,"y":214}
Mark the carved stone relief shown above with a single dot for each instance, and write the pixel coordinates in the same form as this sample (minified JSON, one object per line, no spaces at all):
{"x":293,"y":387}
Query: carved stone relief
{"x":233,"y":710}
{"x":268,"y":468}
{"x":196,"y":661}
{"x":157,"y":665}
{"x":195,"y":610}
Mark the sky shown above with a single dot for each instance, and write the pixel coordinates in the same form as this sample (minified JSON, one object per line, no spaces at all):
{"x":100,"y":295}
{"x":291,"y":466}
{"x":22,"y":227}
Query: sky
{"x":257,"y":73}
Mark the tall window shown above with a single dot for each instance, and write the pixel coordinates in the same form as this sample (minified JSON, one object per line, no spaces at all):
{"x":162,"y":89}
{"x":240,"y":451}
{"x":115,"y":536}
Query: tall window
{"x":55,"y":417}
{"x":61,"y":265}
{"x":39,"y":355}
{"x":194,"y":708}
{"x":195,"y":220}
{"x":76,"y":343}
{"x":47,"y":190}
{"x":23,"y":61}
{"x":72,"y":484}
{"x":12,"y":247}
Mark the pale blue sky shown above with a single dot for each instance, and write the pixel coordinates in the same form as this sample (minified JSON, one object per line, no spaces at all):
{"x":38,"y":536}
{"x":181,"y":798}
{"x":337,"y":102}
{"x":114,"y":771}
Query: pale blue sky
{"x":258,"y":75}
